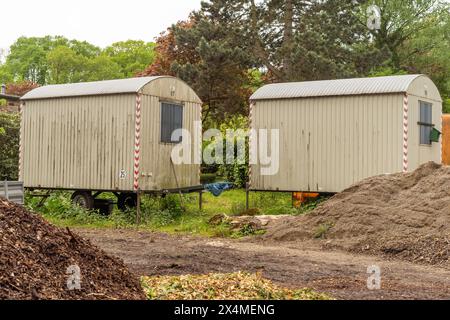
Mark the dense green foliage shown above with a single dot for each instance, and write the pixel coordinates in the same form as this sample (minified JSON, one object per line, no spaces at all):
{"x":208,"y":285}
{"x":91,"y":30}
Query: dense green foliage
{"x":54,"y":60}
{"x":167,"y":214}
{"x":9,"y":142}
{"x":297,"y":40}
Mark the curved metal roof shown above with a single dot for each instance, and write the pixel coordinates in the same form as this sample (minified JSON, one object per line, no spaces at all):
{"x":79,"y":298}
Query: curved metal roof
{"x":344,"y":87}
{"x":131,"y":85}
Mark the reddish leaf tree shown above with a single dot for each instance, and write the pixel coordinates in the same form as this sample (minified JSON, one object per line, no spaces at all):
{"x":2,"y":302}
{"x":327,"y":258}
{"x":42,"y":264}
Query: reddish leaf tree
{"x":20,"y":88}
{"x":168,"y":52}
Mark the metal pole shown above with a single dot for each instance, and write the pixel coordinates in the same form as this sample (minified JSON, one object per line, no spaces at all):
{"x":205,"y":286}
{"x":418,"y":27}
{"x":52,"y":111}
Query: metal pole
{"x":247,"y":196}
{"x":138,"y":209}
{"x":200,"y":200}
{"x":6,"y":190}
{"x":178,"y":186}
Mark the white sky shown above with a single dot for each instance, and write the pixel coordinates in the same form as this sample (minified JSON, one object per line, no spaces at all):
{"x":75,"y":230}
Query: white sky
{"x":100,"y":22}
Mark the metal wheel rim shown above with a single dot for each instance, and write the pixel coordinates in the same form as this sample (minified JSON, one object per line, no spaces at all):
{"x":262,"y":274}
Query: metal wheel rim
{"x":80,"y":201}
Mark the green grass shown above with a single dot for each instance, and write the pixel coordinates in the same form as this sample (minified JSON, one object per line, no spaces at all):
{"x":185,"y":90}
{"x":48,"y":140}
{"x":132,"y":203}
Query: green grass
{"x":167,"y":215}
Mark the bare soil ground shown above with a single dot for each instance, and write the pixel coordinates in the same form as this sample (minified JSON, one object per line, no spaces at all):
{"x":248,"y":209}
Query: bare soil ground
{"x":403,"y":216}
{"x":340,"y":274}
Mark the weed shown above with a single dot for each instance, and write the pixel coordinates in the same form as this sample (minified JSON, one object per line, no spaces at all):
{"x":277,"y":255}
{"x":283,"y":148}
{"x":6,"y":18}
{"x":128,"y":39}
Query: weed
{"x":309,"y":206}
{"x":322,"y":230}
{"x":167,"y":215}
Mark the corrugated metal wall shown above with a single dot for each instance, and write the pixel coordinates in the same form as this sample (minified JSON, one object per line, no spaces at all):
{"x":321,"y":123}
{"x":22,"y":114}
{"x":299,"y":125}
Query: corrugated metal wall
{"x":156,"y":169}
{"x":88,"y":142}
{"x":12,"y":191}
{"x":419,"y":154}
{"x":79,"y":143}
{"x":329,"y":143}
{"x":423,"y":89}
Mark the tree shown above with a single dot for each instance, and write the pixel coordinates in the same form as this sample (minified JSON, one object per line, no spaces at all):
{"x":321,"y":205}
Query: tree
{"x":428,"y":52}
{"x":20,"y":88}
{"x":51,"y":60}
{"x":199,"y":51}
{"x":9,"y":140}
{"x":293,"y":39}
{"x":401,"y":21}
{"x":102,"y":67}
{"x":64,"y":65}
{"x":167,"y":51}
{"x":5,"y":74}
{"x":132,"y":56}
{"x":27,"y":59}
{"x":415,"y":38}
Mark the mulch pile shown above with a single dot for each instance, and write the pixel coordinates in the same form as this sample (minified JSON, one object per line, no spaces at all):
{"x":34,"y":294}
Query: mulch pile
{"x":405,"y":216}
{"x":35,"y":257}
{"x":233,"y":286}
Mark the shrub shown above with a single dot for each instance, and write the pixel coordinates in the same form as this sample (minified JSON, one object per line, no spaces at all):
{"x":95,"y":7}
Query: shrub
{"x":9,"y":142}
{"x":235,"y":172}
{"x":207,"y":178}
{"x":59,"y":206}
{"x":322,"y":230}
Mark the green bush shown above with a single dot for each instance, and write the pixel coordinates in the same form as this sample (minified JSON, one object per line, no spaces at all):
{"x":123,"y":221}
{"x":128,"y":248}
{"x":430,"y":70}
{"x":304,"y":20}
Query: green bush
{"x":207,"y":178}
{"x":235,"y":172}
{"x":9,"y":142}
{"x":446,"y":105}
{"x":59,"y":206}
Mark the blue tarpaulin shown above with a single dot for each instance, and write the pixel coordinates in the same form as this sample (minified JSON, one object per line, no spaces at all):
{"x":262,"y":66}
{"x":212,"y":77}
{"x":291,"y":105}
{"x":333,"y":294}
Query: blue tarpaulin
{"x":218,"y":188}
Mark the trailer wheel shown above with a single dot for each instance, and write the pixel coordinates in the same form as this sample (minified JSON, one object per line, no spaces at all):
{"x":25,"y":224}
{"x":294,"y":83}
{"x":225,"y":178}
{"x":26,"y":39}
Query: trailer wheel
{"x":83,"y":199}
{"x":127,"y":201}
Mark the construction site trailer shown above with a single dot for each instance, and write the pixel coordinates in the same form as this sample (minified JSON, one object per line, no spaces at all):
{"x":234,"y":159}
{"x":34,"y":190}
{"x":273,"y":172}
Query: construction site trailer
{"x":110,"y":136}
{"x":338,"y":132}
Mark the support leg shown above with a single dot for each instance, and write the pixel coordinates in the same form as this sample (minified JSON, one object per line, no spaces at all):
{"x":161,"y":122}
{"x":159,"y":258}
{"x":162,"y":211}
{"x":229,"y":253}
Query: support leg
{"x":247,"y":196}
{"x":200,"y":200}
{"x":138,"y":209}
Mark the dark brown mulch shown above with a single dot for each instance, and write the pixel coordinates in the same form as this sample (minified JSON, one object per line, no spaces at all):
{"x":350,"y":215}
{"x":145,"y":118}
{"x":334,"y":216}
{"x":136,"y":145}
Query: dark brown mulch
{"x":35,"y":257}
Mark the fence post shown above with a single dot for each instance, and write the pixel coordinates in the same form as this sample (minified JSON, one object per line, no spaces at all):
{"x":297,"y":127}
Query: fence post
{"x":6,"y":190}
{"x":247,"y":196}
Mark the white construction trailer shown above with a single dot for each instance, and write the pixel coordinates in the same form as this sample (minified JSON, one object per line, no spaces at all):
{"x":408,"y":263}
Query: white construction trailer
{"x":108,"y":136}
{"x":336,"y":133}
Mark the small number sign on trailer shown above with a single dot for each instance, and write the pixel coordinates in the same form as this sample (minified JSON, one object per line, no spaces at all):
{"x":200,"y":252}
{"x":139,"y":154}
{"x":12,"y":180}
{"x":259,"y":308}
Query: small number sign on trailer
{"x":12,"y":191}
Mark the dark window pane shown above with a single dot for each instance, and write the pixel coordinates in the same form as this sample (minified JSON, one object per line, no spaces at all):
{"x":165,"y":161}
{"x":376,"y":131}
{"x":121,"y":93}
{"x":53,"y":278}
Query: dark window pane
{"x":171,"y":120}
{"x":426,"y":120}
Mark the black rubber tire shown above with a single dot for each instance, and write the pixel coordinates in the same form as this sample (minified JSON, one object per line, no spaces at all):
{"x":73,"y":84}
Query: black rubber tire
{"x":127,"y":201}
{"x":83,"y":199}
{"x":104,"y":206}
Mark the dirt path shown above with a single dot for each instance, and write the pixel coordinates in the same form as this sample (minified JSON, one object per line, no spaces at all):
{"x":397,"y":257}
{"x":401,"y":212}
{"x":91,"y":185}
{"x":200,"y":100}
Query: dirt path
{"x":340,"y":274}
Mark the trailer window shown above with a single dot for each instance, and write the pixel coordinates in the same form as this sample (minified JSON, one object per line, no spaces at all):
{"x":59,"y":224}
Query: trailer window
{"x":171,"y":120}
{"x":426,"y":122}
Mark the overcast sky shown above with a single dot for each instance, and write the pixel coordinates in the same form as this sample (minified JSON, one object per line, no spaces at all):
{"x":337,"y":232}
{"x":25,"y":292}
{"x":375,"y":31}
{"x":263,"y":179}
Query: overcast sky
{"x":100,"y":22}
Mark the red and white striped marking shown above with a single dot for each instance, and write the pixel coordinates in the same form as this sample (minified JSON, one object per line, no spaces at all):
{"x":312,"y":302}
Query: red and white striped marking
{"x":200,"y":144}
{"x":137,"y":142}
{"x":405,"y":133}
{"x":250,"y":140}
{"x":21,"y":143}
